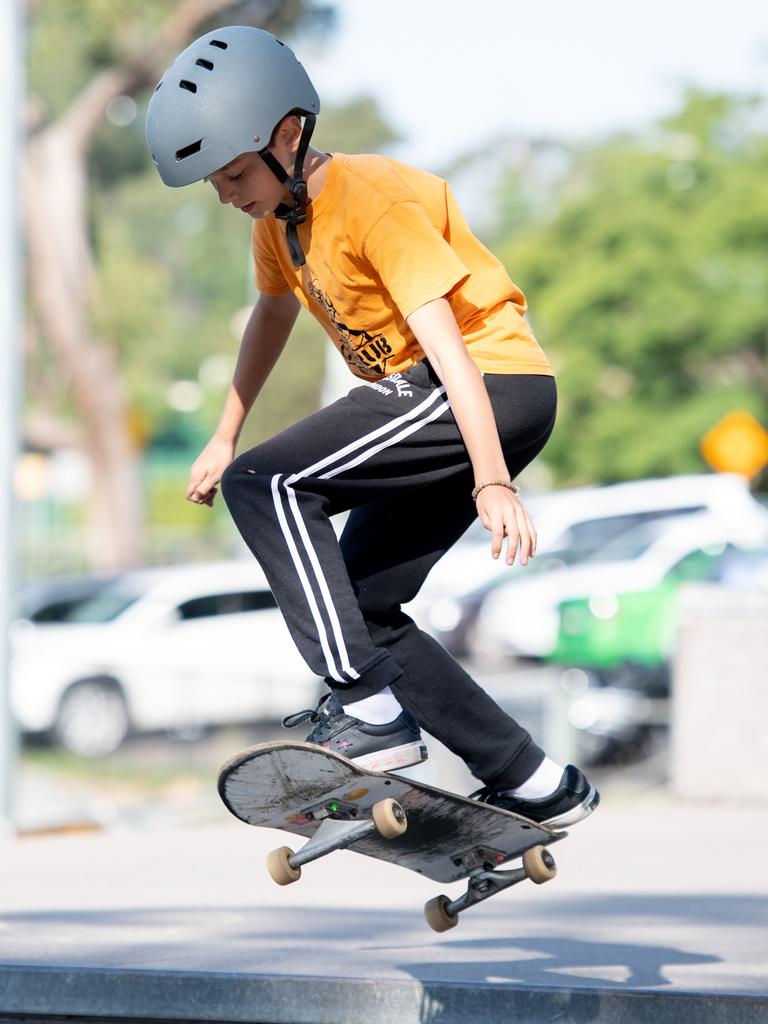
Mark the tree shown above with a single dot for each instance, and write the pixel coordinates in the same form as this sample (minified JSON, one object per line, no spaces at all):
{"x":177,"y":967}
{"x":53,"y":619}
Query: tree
{"x":83,"y":55}
{"x":647,"y":287}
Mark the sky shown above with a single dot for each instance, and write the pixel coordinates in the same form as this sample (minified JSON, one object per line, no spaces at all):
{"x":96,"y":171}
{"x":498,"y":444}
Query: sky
{"x":449,"y":72}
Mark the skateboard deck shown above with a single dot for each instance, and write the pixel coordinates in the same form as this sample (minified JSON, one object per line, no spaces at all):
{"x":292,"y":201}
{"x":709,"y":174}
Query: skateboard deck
{"x":306,"y":790}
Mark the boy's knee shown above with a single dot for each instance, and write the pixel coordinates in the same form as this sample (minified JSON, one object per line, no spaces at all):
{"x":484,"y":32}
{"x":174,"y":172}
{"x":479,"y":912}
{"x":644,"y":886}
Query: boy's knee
{"x":226,"y":478}
{"x":229,"y":480}
{"x":242,"y":474}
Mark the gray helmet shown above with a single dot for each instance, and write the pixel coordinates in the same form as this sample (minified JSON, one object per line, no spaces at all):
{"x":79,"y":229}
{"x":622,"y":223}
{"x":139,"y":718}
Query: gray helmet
{"x":221,"y":97}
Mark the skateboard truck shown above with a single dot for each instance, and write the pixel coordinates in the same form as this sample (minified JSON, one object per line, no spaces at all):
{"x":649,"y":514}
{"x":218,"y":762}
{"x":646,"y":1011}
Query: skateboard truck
{"x":387,"y":818}
{"x":442,"y":913}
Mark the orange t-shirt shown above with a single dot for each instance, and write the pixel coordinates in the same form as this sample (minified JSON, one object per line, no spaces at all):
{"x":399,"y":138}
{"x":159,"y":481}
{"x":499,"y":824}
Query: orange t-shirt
{"x":380,"y":240}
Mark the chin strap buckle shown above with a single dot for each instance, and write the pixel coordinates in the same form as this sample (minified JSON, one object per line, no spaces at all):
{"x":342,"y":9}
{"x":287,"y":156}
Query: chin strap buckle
{"x":297,"y":186}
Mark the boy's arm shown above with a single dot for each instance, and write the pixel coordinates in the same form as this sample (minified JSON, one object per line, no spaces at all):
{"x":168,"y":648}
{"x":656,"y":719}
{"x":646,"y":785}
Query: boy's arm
{"x":499,"y":508}
{"x":264,"y":338}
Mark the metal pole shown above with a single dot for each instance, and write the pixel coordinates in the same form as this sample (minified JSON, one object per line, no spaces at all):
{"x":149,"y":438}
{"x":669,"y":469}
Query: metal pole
{"x":11,"y":91}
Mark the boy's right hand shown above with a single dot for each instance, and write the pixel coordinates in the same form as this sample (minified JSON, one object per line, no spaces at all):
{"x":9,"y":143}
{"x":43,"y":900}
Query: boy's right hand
{"x":207,"y":470}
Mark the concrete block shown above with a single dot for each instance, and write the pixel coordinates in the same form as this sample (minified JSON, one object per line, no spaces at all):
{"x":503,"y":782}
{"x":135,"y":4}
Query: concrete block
{"x":720,"y":695}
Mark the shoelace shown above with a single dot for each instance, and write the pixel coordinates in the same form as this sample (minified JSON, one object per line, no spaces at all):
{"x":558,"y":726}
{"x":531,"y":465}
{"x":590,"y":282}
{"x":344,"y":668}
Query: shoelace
{"x":313,"y":715}
{"x":483,"y":794}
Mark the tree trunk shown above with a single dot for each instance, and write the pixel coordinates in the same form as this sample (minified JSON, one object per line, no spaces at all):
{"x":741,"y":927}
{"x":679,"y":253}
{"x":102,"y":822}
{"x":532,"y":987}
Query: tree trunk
{"x":61,"y":286}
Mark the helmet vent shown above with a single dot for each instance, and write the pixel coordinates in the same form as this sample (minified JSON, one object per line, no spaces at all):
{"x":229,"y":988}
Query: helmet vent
{"x":217,"y":42}
{"x":207,"y":64}
{"x":195,"y":147}
{"x":189,"y":86}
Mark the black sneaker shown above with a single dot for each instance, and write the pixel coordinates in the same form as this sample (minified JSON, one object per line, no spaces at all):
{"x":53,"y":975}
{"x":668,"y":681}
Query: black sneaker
{"x":573,"y":800}
{"x":377,"y":748}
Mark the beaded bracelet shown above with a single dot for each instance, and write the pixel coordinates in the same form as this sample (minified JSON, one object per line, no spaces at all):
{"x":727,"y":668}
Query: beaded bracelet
{"x":495,"y":483}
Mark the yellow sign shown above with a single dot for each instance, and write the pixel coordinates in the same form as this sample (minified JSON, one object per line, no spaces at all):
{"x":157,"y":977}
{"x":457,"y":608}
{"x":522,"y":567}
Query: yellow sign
{"x":737,"y":444}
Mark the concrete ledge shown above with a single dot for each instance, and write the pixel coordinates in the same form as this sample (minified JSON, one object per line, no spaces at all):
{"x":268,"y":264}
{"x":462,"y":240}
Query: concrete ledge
{"x":33,"y":994}
{"x":184,"y":925}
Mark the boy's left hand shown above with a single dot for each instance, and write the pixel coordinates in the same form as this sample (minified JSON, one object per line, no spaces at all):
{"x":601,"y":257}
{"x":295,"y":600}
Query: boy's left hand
{"x":501,"y":511}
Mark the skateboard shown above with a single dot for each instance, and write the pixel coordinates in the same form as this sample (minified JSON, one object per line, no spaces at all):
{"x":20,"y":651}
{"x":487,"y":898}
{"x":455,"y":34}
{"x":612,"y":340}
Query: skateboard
{"x":306,"y":790}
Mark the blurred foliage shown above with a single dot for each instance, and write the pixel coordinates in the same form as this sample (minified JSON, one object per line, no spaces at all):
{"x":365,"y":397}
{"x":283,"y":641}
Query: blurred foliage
{"x":69,"y":41}
{"x":643,"y":260}
{"x":648,"y":288}
{"x":356,"y":127}
{"x":173,"y":266}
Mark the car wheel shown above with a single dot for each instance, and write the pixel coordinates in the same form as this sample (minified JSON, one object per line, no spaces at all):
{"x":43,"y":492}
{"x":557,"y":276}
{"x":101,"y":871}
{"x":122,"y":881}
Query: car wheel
{"x":92,"y":719}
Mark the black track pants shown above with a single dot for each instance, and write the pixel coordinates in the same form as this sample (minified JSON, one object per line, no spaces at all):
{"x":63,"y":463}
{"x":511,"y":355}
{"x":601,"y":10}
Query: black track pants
{"x":393,"y":454}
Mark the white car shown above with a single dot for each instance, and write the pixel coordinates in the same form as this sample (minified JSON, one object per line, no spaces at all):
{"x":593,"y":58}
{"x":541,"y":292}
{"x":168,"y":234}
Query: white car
{"x":174,"y":648}
{"x":579,"y":520}
{"x":521,"y":617}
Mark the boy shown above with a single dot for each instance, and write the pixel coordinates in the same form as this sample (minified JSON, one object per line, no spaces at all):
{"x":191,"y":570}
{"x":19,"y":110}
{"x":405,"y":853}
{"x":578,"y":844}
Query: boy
{"x":455,"y":398}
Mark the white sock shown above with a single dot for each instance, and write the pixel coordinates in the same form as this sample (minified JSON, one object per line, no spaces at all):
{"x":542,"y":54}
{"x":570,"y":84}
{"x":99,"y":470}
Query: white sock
{"x":543,"y":782}
{"x":378,"y":709}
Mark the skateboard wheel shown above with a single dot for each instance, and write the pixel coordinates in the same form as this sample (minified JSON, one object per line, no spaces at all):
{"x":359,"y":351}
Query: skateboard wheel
{"x":389,"y":818}
{"x":539,"y":864}
{"x":438,"y":918}
{"x":280,"y":867}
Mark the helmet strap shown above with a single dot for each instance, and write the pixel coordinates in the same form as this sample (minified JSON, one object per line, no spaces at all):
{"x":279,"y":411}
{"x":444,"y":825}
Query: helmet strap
{"x":297,"y":186}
